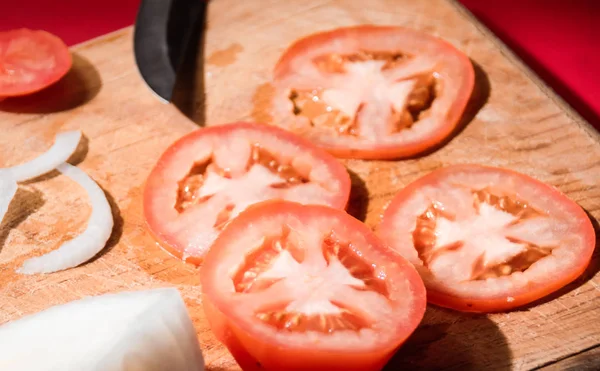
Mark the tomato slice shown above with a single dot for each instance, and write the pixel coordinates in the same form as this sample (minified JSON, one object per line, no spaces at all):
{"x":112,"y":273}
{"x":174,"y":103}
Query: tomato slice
{"x":207,"y":177}
{"x":30,"y":61}
{"x":372,"y":92}
{"x":487,"y":239}
{"x":308,"y":287}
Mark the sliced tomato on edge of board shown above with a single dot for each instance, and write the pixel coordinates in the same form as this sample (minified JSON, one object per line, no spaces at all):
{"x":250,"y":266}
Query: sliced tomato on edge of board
{"x":31,"y":61}
{"x":289,"y":287}
{"x":487,"y":239}
{"x":207,"y":177}
{"x":372,"y":92}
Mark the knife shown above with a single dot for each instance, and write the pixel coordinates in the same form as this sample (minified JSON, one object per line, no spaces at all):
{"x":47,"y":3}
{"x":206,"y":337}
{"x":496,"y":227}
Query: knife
{"x":166,"y":33}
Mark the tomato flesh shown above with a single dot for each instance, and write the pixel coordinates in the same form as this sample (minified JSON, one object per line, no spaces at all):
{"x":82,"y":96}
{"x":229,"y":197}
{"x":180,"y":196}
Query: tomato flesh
{"x":209,"y":176}
{"x":372,"y":92}
{"x":296,"y":287}
{"x":31,"y":61}
{"x":488,"y":239}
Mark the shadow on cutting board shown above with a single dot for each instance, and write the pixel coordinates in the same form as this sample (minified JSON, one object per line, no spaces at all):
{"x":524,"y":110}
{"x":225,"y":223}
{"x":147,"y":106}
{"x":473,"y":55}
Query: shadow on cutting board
{"x":79,"y":86}
{"x":479,"y":97}
{"x":26,"y":202}
{"x":448,"y":340}
{"x":359,"y":197}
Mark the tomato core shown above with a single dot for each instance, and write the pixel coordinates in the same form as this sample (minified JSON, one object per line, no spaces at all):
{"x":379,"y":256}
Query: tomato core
{"x":429,"y":248}
{"x":321,"y":106}
{"x":191,"y":191}
{"x":280,"y":251}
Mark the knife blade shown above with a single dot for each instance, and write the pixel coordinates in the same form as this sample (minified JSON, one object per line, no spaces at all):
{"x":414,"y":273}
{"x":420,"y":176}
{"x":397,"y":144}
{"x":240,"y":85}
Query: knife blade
{"x":164,"y":30}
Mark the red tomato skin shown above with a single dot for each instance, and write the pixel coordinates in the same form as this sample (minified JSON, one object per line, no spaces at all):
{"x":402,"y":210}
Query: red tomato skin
{"x":277,"y":359}
{"x":155,"y":179}
{"x":453,"y":117}
{"x":219,"y":324}
{"x":255,"y":354}
{"x":499,"y":303}
{"x":61,"y":53}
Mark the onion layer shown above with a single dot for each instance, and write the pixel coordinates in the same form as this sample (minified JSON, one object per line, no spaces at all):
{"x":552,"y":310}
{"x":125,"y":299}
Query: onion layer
{"x":144,"y":330}
{"x":8,"y":188}
{"x":64,"y":146}
{"x":85,"y":246}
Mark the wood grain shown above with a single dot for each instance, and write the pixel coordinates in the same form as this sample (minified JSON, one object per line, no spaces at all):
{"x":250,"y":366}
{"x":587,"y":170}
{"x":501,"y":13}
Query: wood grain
{"x":513,"y":121}
{"x":586,"y":360}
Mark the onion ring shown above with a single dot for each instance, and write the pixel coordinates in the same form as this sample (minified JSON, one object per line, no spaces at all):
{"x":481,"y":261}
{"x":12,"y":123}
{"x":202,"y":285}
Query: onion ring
{"x":8,"y":188}
{"x":85,"y":246}
{"x":64,"y":146}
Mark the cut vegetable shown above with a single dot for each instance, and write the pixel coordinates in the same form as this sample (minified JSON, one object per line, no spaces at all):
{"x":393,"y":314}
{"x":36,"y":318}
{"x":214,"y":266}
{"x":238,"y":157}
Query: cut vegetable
{"x":308,"y":287}
{"x":8,"y":188}
{"x":85,"y":246}
{"x":144,"y":330}
{"x":372,"y":92}
{"x":207,"y":177}
{"x":64,"y":146}
{"x":31,"y":60}
{"x":487,"y":239}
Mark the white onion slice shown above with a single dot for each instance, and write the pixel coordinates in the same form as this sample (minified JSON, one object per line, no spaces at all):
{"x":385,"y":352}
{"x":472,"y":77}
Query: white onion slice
{"x":85,"y":246}
{"x":142,"y":330}
{"x":8,"y":188}
{"x":64,"y":146}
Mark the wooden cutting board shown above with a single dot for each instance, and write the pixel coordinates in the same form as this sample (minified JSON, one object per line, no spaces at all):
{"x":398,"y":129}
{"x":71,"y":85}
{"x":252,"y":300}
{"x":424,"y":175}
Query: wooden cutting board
{"x":513,"y":121}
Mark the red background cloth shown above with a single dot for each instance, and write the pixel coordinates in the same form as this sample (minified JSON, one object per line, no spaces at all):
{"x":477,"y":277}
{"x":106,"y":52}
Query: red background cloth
{"x":557,"y":38}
